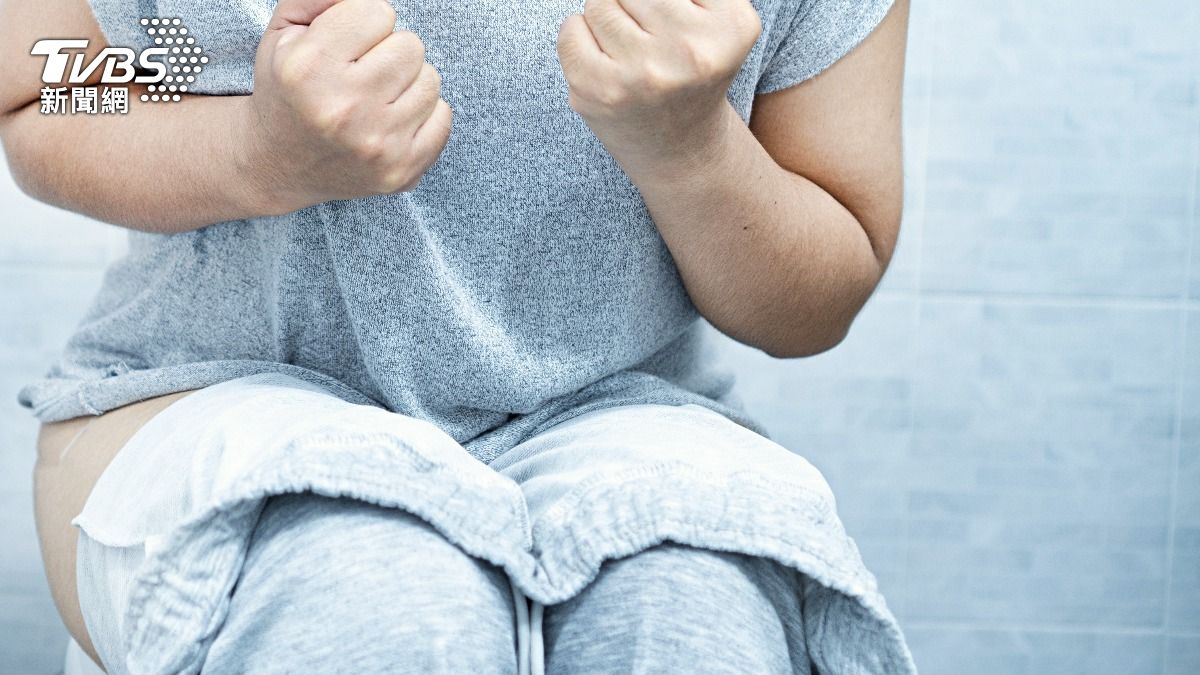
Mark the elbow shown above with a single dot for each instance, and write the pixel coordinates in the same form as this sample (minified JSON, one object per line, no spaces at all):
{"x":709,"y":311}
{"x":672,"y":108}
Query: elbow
{"x":808,"y":343}
{"x":26,"y":159}
{"x":14,"y":155}
{"x":14,"y":151}
{"x":22,"y":169}
{"x":817,"y":329}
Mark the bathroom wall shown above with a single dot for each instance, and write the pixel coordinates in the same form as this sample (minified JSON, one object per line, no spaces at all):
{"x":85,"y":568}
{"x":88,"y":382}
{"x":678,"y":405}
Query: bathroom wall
{"x":1012,"y":427}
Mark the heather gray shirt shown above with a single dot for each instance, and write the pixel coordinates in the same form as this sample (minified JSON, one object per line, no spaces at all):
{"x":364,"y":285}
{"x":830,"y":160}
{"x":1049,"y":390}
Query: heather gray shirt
{"x":523,"y":281}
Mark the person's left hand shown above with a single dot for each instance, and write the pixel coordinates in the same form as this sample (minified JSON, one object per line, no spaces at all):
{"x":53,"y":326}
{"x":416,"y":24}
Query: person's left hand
{"x":650,"y":76}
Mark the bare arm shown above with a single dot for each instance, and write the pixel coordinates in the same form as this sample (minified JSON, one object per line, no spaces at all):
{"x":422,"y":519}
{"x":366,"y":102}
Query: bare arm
{"x":781,"y":231}
{"x":208,"y":159}
{"x":161,"y":168}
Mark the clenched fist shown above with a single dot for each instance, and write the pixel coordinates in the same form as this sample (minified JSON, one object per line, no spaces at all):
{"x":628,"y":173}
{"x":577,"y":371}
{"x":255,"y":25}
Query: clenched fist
{"x":650,"y":76}
{"x":344,"y":106}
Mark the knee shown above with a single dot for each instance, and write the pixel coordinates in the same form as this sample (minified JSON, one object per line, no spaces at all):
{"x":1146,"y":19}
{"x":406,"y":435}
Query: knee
{"x":357,"y":583}
{"x":673,"y":601}
{"x":313,"y":545}
{"x":683,"y":576}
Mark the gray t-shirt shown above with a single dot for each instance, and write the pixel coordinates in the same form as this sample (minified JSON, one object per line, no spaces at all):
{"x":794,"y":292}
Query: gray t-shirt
{"x":523,"y":282}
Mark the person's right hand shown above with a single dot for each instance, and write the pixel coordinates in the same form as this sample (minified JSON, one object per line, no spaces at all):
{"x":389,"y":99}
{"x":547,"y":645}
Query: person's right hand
{"x":343,"y":106}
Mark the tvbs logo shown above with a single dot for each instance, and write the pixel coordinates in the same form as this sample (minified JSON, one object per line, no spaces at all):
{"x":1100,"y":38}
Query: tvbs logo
{"x":166,"y":69}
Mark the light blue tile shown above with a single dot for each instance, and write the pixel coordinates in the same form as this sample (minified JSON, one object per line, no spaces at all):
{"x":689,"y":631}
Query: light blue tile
{"x":1183,"y":655}
{"x":1184,"y":613}
{"x":848,"y":412}
{"x":32,"y":637}
{"x":861,"y":385}
{"x":1184,"y":608}
{"x":1061,"y":155}
{"x":945,"y":650}
{"x":20,"y":559}
{"x":33,"y":233}
{"x":1040,"y":472}
{"x":903,"y":272}
{"x":1194,"y":275}
{"x":32,"y":640}
{"x":1194,"y":293}
{"x":39,"y":308}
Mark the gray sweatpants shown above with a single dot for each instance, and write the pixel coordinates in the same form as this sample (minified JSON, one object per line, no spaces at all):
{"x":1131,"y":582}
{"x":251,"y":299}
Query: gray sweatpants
{"x":339,"y":585}
{"x":263,"y":525}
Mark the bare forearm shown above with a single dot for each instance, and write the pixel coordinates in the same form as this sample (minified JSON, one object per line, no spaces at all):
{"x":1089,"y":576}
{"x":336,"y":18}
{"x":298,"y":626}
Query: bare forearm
{"x":780,"y":230}
{"x":767,"y":256}
{"x":344,"y":106}
{"x":161,"y":167}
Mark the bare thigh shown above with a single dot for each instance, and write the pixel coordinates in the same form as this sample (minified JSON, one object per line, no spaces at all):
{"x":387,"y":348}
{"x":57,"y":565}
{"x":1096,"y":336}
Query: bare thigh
{"x":71,"y":457}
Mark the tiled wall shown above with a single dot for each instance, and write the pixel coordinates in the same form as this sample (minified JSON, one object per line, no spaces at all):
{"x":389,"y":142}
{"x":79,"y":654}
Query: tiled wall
{"x":1013,"y":426}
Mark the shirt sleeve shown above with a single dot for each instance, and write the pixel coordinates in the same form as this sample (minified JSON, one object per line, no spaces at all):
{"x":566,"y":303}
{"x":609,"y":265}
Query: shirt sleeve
{"x":120,"y":21}
{"x":820,"y":33}
{"x":225,"y":33}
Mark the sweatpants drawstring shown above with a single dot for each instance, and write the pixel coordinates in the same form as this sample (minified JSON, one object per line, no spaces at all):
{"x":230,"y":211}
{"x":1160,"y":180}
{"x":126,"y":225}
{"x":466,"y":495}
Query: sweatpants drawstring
{"x":531,"y":654}
{"x":537,"y":649}
{"x":521,"y":613}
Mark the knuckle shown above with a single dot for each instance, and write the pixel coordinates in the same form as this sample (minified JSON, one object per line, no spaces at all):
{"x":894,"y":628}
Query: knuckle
{"x":610,"y":96}
{"x":383,"y":12}
{"x":371,"y":148}
{"x":397,"y":180}
{"x":572,"y":25}
{"x":410,"y":45}
{"x":427,"y":88}
{"x":296,"y":68}
{"x":332,"y":117}
{"x":433,"y":78}
{"x":652,"y":78}
{"x":702,"y":62}
{"x":598,"y":14}
{"x":445,"y":124}
{"x":575,"y":101}
{"x":662,"y":7}
{"x":751,"y":23}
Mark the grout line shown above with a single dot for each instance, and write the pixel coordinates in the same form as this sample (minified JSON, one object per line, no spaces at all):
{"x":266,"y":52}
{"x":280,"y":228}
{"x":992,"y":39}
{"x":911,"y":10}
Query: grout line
{"x":932,"y":17}
{"x":1045,"y":299}
{"x":993,"y":626}
{"x":25,"y":266}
